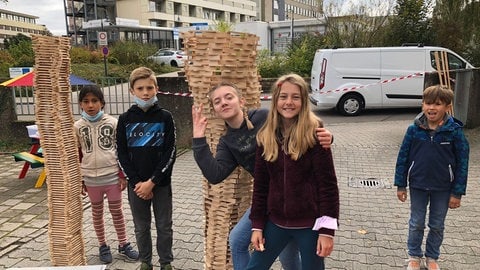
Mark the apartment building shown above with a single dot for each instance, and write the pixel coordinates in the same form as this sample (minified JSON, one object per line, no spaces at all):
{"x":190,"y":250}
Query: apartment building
{"x":150,"y":21}
{"x":13,"y":23}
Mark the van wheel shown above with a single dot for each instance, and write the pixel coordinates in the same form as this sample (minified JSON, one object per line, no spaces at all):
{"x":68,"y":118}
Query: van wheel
{"x":350,"y":105}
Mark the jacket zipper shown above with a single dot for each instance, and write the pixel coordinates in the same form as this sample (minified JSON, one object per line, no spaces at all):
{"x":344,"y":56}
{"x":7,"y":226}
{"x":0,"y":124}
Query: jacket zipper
{"x":409,"y":171}
{"x":451,"y":172}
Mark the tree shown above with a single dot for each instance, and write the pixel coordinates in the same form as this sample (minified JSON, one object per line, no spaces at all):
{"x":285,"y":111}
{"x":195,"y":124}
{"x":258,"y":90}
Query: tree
{"x":410,"y":23}
{"x":352,"y":25}
{"x":456,"y":25}
{"x":20,"y":48}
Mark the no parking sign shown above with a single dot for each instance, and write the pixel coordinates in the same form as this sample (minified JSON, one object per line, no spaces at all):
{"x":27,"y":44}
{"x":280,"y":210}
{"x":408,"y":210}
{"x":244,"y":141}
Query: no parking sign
{"x":102,"y":39}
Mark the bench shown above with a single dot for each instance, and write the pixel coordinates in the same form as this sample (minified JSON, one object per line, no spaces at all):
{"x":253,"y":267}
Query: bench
{"x":34,"y":161}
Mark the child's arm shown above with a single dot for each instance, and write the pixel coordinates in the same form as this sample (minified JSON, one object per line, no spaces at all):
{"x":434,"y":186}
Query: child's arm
{"x":164,"y":166}
{"x":401,"y":167}
{"x":122,"y":152}
{"x":462,"y":152}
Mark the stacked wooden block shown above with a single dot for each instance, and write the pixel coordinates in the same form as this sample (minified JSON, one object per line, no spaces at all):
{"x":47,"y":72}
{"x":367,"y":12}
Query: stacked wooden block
{"x":214,"y":57}
{"x":55,"y":125}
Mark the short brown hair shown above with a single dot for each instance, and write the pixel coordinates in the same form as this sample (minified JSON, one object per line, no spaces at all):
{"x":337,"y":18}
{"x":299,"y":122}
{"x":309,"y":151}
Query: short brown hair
{"x":436,"y":93}
{"x":142,"y":73}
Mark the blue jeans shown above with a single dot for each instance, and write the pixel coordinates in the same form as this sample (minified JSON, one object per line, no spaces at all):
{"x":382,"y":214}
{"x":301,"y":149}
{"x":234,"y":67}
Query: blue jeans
{"x":276,"y":238}
{"x":239,"y":241}
{"x":419,"y":199}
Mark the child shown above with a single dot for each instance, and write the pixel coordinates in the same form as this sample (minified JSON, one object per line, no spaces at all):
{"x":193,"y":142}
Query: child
{"x":295,"y":194}
{"x":433,"y":161}
{"x":146,"y":151}
{"x":101,"y":175}
{"x":237,"y":148}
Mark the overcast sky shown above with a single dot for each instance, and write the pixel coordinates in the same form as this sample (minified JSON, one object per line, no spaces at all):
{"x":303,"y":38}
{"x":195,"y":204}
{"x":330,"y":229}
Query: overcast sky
{"x":50,"y":12}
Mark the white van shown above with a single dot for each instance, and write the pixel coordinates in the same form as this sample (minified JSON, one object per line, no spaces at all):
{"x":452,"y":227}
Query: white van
{"x":353,"y":79}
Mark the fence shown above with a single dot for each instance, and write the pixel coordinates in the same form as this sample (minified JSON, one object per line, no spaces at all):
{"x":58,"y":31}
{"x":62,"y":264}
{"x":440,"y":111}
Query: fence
{"x":117,"y":98}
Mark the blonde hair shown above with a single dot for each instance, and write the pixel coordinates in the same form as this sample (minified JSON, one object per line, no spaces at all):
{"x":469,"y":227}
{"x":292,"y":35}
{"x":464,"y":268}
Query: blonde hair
{"x":301,"y":136}
{"x":142,"y":73}
{"x":236,"y":92}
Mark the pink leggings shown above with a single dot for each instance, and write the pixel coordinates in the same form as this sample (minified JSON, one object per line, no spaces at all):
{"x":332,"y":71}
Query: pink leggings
{"x":114,"y":197}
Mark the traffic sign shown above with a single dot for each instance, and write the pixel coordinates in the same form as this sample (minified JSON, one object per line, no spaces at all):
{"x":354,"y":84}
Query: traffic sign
{"x":102,"y":39}
{"x":105,"y":50}
{"x":175,"y":33}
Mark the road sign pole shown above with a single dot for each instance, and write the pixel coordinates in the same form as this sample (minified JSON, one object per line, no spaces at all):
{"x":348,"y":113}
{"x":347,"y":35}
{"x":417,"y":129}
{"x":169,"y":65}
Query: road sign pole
{"x":105,"y":53}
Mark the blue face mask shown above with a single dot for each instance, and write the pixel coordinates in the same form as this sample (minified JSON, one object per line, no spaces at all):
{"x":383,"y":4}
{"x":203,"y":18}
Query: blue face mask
{"x":145,"y":105}
{"x":94,"y":118}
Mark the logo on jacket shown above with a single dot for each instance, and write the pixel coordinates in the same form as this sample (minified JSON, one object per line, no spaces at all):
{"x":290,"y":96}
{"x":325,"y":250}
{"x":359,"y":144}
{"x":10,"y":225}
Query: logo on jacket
{"x":145,"y":134}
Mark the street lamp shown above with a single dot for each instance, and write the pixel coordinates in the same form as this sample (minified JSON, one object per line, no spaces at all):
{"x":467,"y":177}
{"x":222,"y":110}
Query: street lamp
{"x":291,"y":26}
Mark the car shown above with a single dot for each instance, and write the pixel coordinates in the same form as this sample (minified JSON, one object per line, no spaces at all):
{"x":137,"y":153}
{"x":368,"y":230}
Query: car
{"x":172,"y":57}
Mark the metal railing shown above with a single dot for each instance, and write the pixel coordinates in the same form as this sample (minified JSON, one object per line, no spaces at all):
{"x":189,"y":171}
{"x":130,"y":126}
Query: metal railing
{"x":117,"y":99}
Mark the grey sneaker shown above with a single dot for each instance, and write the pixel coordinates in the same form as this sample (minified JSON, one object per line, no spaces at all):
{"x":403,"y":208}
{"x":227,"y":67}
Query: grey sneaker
{"x":128,"y":252}
{"x":104,"y":254}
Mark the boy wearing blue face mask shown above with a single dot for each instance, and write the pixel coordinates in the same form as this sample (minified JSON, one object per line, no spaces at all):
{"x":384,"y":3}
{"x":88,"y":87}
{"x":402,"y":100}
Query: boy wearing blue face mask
{"x":101,"y":174}
{"x":146,"y":152}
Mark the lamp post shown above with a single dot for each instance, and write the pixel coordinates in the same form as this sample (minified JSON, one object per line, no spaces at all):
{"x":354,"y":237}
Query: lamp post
{"x":291,"y":27}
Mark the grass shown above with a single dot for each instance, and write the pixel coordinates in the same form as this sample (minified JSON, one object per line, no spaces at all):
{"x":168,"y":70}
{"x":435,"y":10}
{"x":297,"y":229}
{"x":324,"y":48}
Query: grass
{"x":8,"y":146}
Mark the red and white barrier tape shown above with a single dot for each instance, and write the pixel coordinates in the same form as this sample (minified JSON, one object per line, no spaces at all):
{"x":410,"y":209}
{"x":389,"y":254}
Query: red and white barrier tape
{"x":370,"y":84}
{"x":263,"y":97}
{"x":268,"y":97}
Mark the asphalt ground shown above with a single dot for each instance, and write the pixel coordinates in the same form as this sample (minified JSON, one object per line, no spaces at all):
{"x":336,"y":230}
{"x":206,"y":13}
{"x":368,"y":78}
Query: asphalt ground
{"x":373,"y":223}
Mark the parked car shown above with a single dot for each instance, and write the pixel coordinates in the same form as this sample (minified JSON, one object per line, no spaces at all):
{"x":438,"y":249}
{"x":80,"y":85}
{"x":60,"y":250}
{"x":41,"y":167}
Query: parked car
{"x":353,"y":79}
{"x":170,"y":57}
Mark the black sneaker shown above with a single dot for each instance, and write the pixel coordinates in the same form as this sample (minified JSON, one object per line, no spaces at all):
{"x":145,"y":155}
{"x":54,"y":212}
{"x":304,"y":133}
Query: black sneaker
{"x":105,"y":254}
{"x":128,"y":252}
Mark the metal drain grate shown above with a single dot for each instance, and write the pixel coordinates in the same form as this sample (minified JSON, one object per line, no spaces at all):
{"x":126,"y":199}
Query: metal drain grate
{"x":358,"y":182}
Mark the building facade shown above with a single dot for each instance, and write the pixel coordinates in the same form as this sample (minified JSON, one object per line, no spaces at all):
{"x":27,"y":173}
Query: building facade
{"x":150,"y":21}
{"x":14,"y":23}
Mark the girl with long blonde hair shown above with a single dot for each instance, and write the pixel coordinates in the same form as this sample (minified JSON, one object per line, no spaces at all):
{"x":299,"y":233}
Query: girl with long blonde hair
{"x":295,"y":194}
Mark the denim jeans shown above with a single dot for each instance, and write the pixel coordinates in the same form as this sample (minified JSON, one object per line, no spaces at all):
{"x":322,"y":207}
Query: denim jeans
{"x":276,"y":238}
{"x":239,"y":241}
{"x":438,"y":208}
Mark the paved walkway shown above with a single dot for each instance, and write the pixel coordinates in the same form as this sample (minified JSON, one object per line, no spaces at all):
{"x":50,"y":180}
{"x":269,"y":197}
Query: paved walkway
{"x":373,"y":222}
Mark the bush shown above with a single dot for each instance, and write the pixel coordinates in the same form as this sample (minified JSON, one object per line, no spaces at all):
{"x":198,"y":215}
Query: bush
{"x":271,"y":66}
{"x":127,"y":52}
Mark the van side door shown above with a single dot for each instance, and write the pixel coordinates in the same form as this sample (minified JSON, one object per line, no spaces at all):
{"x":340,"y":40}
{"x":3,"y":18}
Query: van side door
{"x":397,"y":90}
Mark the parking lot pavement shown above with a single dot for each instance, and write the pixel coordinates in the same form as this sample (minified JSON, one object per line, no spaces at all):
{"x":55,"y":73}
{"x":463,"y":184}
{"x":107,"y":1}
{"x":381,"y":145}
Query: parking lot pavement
{"x":373,"y":223}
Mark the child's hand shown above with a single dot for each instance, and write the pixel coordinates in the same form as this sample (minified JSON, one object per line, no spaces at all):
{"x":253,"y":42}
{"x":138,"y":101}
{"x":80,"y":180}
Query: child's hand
{"x":324,"y":246}
{"x":84,"y":189}
{"x":199,"y":121}
{"x":402,"y":195}
{"x":454,"y":202}
{"x":324,"y":137}
{"x":258,"y":241}
{"x":144,"y":189}
{"x":122,"y":182}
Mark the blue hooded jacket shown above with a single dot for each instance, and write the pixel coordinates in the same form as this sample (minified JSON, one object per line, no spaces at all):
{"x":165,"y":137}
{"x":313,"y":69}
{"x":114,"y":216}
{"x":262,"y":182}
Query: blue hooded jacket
{"x":434,"y":160}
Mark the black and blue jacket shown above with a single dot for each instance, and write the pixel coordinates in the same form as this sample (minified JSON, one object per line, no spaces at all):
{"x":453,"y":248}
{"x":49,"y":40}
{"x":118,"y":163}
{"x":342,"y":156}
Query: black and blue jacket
{"x":146,"y":145}
{"x":435,"y":160}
